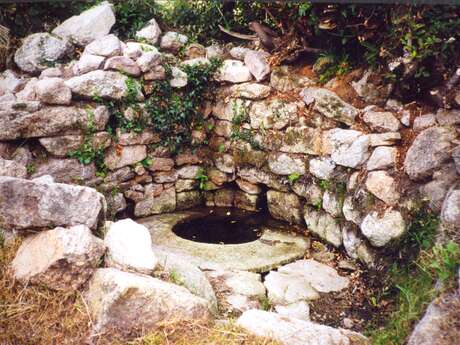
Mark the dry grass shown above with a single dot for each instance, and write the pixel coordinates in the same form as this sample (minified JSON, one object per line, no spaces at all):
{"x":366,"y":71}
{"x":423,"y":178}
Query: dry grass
{"x":38,"y":316}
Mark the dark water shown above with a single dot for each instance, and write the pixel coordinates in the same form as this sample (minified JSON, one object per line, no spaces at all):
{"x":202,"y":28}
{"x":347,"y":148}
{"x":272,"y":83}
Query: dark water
{"x":224,"y":226}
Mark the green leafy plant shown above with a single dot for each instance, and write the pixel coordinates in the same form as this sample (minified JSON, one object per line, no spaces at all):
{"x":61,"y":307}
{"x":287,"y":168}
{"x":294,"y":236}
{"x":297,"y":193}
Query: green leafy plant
{"x":324,"y":185}
{"x":292,"y":178}
{"x":146,"y":162}
{"x":202,"y":179}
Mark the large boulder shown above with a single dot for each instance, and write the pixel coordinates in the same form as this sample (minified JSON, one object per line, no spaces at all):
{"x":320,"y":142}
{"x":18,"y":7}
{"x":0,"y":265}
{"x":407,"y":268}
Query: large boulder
{"x":129,"y":247}
{"x":106,"y":84}
{"x":39,"y":50}
{"x":430,"y":149}
{"x":328,"y":104}
{"x":293,"y":331}
{"x":49,"y":121}
{"x":91,"y":24}
{"x":60,"y":259}
{"x":28,"y":204}
{"x":439,"y":325}
{"x":130,"y":302}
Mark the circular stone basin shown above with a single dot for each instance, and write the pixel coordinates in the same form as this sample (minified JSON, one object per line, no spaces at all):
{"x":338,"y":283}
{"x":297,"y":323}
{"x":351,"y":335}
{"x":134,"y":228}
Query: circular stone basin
{"x":274,"y":245}
{"x":221,"y":227}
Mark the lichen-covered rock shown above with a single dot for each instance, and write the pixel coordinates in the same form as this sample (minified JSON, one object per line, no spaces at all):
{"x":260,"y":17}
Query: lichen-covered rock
{"x":129,"y":247}
{"x":226,"y":110}
{"x":151,"y":204}
{"x":273,"y":114}
{"x":53,"y":91}
{"x":293,"y":331}
{"x":47,"y":121}
{"x":429,"y":151}
{"x":225,"y":163}
{"x":60,"y":259}
{"x":189,"y":199}
{"x":117,"y":299}
{"x":382,"y":157}
{"x":329,"y":104}
{"x":122,"y":64}
{"x":68,"y":170}
{"x":106,"y":84}
{"x":179,"y":78}
{"x":424,"y":121}
{"x":348,"y":147}
{"x":322,"y":168}
{"x":285,"y":206}
{"x":12,"y":168}
{"x":62,"y":145}
{"x":247,"y":201}
{"x":149,"y":60}
{"x":381,"y":121}
{"x":150,"y":32}
{"x":383,"y":186}
{"x":300,"y":139}
{"x":284,"y":164}
{"x":116,"y":158}
{"x":252,"y":91}
{"x":323,"y":225}
{"x":89,"y":25}
{"x":173,"y":41}
{"x":382,"y":228}
{"x":234,"y":71}
{"x":39,"y":50}
{"x":28,"y":204}
{"x":284,"y":80}
{"x":257,"y":63}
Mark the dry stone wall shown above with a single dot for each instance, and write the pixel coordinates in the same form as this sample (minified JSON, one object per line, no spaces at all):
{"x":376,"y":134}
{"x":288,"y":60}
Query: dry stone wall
{"x":351,"y":171}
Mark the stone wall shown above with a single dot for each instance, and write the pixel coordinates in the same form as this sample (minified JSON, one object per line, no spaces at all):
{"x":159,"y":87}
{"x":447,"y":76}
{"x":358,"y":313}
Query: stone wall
{"x":342,"y":158}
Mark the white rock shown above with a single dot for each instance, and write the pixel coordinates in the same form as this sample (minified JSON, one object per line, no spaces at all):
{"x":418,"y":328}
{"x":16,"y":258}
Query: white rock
{"x":106,"y":46}
{"x":349,"y":147}
{"x":106,"y":84}
{"x":284,"y":288}
{"x":424,"y":121}
{"x":284,"y":164}
{"x":383,"y":157}
{"x":239,"y":52}
{"x":274,"y":113}
{"x":381,"y":121}
{"x":38,"y":50}
{"x":293,"y":331}
{"x":322,"y":278}
{"x":52,"y":72}
{"x":214,"y":51}
{"x":383,"y":139}
{"x":53,"y":91}
{"x":381,"y":229}
{"x":90,"y":25}
{"x":257,"y":63}
{"x":134,"y":50}
{"x":329,"y":104}
{"x":173,"y":41}
{"x":299,"y":310}
{"x":150,"y":32}
{"x":12,"y":168}
{"x":87,"y":63}
{"x":129,"y":247}
{"x":179,"y":78}
{"x":322,"y":168}
{"x":10,"y":83}
{"x":234,"y":71}
{"x":196,"y":61}
{"x":116,"y":299}
{"x":60,"y":259}
{"x":332,"y":204}
{"x":383,"y":186}
{"x":148,"y":60}
{"x":323,"y":225}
